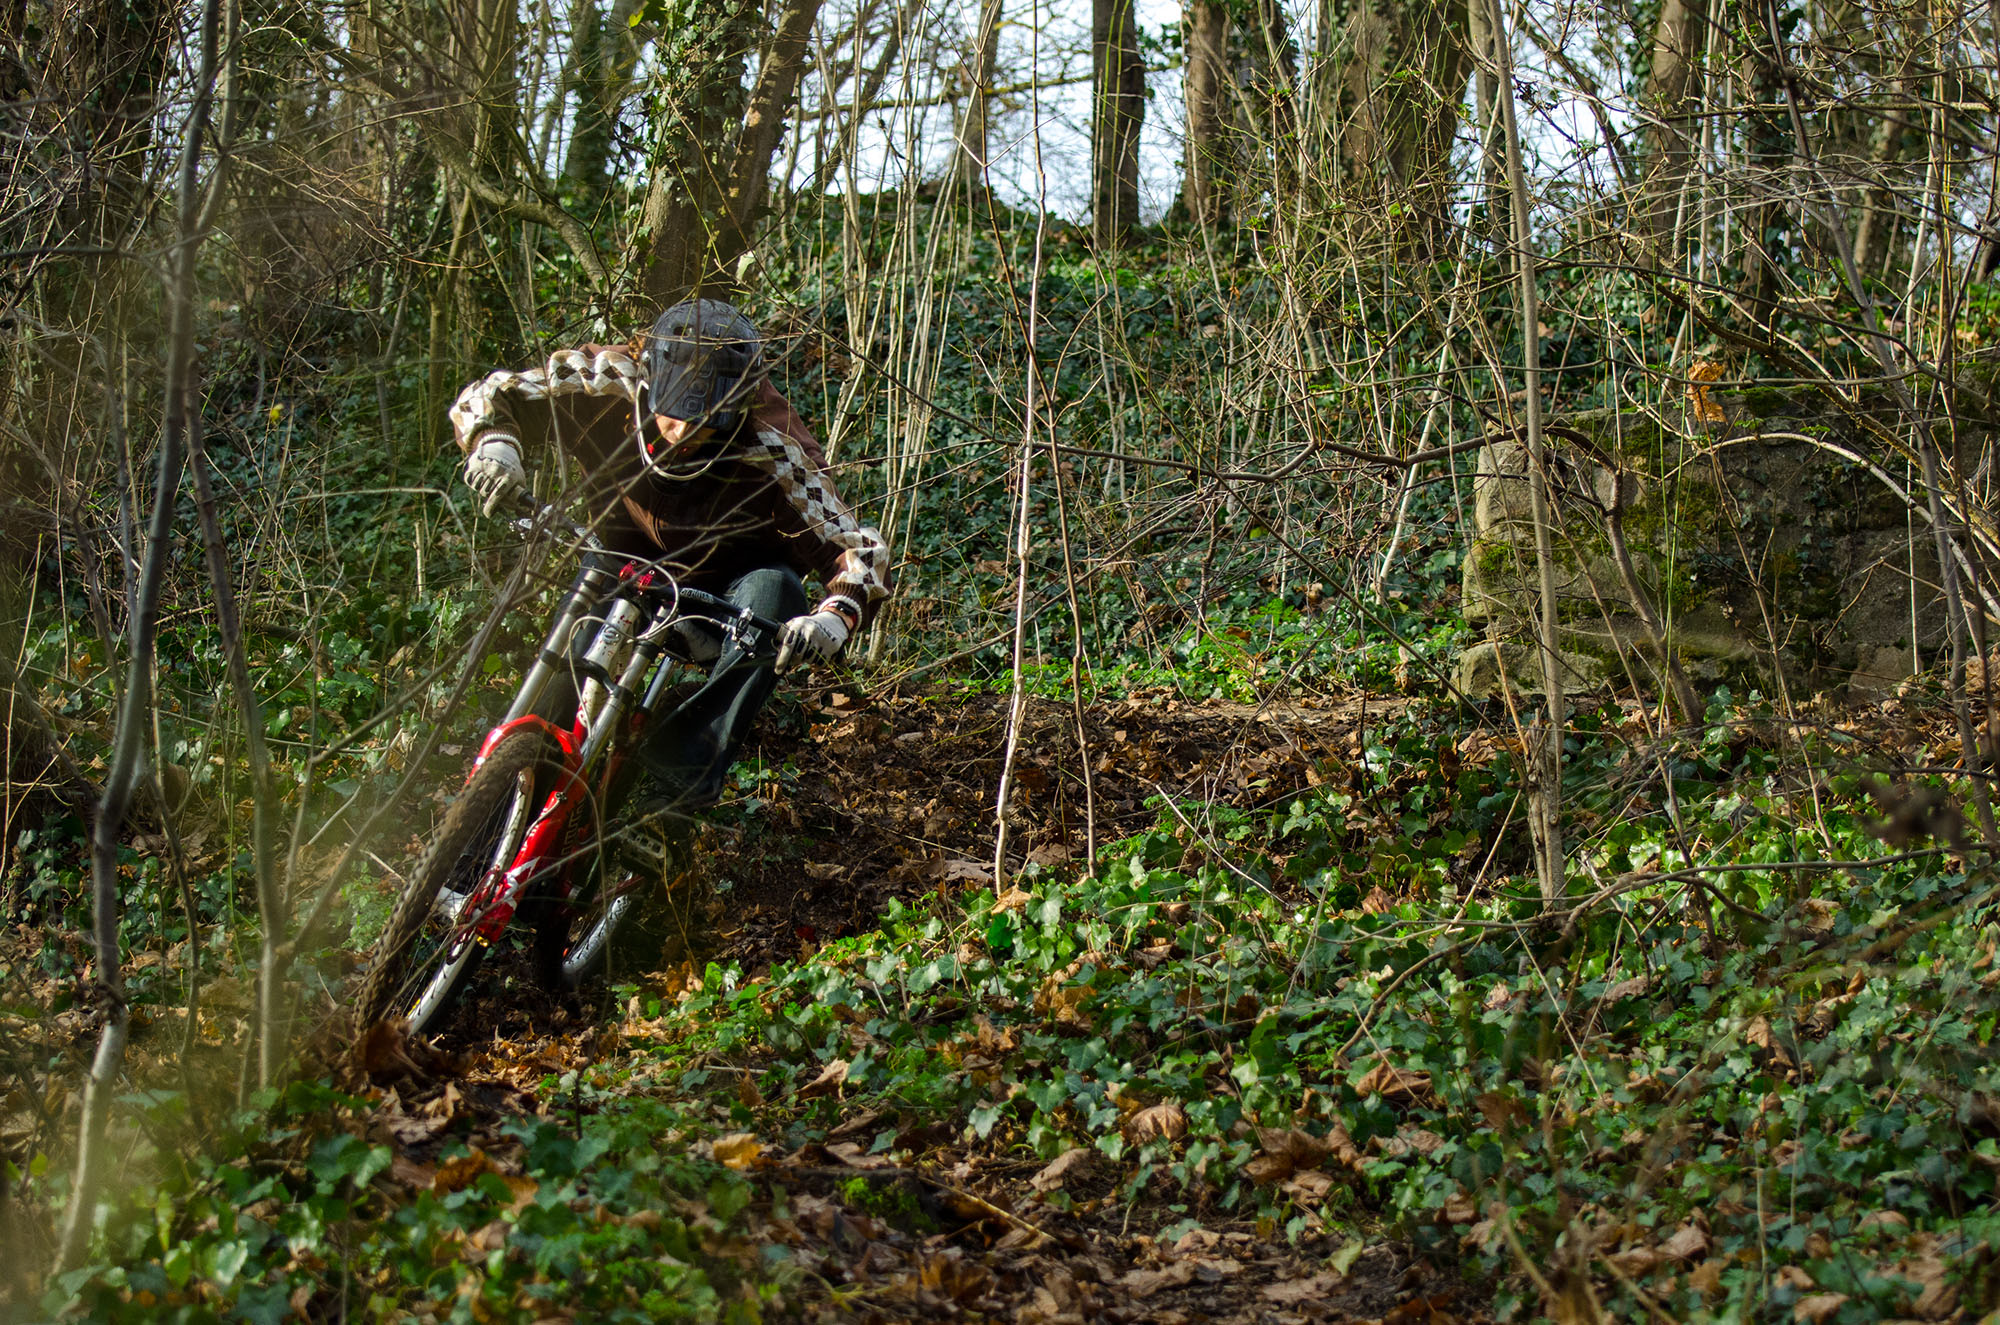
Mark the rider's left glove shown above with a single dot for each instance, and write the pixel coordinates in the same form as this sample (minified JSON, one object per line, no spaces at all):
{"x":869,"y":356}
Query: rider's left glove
{"x":813,"y":638}
{"x":493,"y":469}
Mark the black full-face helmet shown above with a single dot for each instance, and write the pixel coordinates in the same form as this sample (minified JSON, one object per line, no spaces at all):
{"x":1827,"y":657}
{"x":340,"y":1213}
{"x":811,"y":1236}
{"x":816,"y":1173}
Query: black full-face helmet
{"x":704,"y":360}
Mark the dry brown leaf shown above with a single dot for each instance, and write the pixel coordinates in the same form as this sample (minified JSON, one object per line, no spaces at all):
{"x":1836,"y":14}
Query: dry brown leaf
{"x":460,"y":1172}
{"x":1012,"y":900}
{"x":524,"y":1190}
{"x":1063,"y":1003}
{"x":1939,"y":1297}
{"x":1794,"y":1278}
{"x":970,"y":870}
{"x":830,"y":1079}
{"x":1293,"y":1292}
{"x":385,"y":1049}
{"x":992,"y":1041}
{"x":1285,"y":1151}
{"x":1394,"y":1085}
{"x":1638,"y":1262}
{"x":1075,"y":1160}
{"x":1501,"y":1112}
{"x":1816,"y":1307}
{"x":850,"y":1154}
{"x":1890,"y":1219}
{"x":1700,"y":405}
{"x":1460,"y":1209}
{"x":1419,"y":1140}
{"x":1706,"y":1278}
{"x":1166,"y":1121}
{"x":1309,"y":1186}
{"x":738,"y":1150}
{"x":951,"y":1274}
{"x":1632,"y":988}
{"x":1145,"y":1283}
{"x":1688,"y":1243}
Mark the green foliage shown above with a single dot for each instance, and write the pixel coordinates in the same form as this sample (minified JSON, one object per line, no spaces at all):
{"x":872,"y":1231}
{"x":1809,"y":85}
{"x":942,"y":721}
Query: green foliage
{"x":586,"y":1213}
{"x":1658,"y":1056}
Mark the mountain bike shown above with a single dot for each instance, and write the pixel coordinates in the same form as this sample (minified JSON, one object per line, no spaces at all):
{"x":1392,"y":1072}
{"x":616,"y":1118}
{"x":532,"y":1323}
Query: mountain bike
{"x":527,"y":839}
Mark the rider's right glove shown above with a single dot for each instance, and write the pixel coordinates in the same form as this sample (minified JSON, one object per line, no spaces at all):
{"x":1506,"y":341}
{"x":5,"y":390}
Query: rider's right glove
{"x":812,"y":638}
{"x":493,"y":469}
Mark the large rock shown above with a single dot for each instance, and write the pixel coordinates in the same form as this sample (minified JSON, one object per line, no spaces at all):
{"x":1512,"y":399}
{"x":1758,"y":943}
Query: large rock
{"x":1760,"y":548}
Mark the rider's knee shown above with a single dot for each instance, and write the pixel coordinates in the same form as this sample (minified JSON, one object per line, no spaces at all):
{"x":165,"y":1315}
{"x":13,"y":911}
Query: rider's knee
{"x":772,"y":591}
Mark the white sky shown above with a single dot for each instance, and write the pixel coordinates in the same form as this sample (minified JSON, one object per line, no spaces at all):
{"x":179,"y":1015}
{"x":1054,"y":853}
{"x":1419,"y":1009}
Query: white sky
{"x":1562,"y":136}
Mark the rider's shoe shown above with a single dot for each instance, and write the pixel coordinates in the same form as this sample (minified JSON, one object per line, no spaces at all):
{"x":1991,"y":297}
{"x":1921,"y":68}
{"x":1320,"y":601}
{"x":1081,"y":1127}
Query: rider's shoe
{"x":647,"y":846}
{"x":673,"y":800}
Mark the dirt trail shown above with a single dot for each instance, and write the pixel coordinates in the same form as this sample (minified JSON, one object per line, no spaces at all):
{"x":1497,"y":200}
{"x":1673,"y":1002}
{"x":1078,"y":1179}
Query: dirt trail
{"x":894,"y":798}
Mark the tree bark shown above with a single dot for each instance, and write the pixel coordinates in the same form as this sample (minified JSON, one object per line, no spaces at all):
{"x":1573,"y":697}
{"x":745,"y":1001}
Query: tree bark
{"x":1544,"y":740}
{"x":1387,"y":98}
{"x":1267,"y":89}
{"x":713,"y":148}
{"x":587,"y":161}
{"x":1210,"y":153}
{"x":771,"y":100}
{"x":1492,"y":134}
{"x":969,"y":160}
{"x":127,"y":761}
{"x":1118,"y":110}
{"x":1672,"y":98}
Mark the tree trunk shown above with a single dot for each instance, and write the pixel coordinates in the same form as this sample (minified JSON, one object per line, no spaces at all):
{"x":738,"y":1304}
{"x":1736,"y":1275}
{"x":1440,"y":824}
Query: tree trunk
{"x":1266,"y":86}
{"x":714,"y":144}
{"x":763,"y":125}
{"x":1761,"y":250}
{"x":1388,"y":96}
{"x":1672,"y":98}
{"x":1210,"y":153}
{"x":1492,"y":134}
{"x":588,"y":159}
{"x":128,"y":747}
{"x":1544,"y":740}
{"x":969,"y":160}
{"x":1118,"y":109}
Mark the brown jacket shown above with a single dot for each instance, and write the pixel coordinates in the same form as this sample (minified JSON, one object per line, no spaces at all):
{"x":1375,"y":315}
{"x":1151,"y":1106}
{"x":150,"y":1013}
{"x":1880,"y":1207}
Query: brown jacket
{"x":760,"y":499}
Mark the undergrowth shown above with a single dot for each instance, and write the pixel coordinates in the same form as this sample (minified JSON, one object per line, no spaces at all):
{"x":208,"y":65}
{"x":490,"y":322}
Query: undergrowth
{"x":1743,"y":1093}
{"x":1723,"y":1094}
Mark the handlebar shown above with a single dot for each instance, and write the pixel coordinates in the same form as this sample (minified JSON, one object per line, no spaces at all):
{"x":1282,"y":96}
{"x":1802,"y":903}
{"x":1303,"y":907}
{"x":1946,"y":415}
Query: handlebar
{"x":717,"y":609}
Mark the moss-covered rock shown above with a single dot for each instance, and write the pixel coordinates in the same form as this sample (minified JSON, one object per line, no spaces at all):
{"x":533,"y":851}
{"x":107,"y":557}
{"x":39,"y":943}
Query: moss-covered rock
{"x":1757,"y":541}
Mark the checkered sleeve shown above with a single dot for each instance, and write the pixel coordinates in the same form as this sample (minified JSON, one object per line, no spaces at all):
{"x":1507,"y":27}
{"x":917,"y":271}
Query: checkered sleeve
{"x":853,"y":556}
{"x":509,"y":404}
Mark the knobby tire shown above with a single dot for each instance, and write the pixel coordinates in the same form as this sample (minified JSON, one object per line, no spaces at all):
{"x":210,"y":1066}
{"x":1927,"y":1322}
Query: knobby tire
{"x":413,"y":970}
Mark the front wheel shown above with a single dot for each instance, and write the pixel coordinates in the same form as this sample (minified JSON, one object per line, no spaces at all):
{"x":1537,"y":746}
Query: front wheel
{"x":424,"y":960}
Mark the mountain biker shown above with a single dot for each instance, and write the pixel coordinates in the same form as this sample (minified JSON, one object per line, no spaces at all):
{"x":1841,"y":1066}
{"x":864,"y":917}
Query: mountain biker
{"x":693,"y":460}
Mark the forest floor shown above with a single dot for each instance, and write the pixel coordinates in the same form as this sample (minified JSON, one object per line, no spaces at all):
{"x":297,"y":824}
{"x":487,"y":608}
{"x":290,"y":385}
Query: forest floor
{"x":892,"y":801}
{"x":1304,"y":1045}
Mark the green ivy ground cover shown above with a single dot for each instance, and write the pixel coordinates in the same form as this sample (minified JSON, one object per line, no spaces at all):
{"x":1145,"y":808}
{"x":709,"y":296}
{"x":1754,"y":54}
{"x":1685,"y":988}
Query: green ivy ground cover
{"x":1728,"y":1094}
{"x":1770,"y":1092}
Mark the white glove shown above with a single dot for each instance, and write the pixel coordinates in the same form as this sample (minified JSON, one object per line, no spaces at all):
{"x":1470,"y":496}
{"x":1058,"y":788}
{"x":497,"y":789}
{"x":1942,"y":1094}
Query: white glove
{"x":809,"y":639}
{"x":493,"y":470}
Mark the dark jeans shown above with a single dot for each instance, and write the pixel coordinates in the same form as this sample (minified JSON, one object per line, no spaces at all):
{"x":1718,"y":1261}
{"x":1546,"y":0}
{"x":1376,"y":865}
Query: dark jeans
{"x":688,"y":753}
